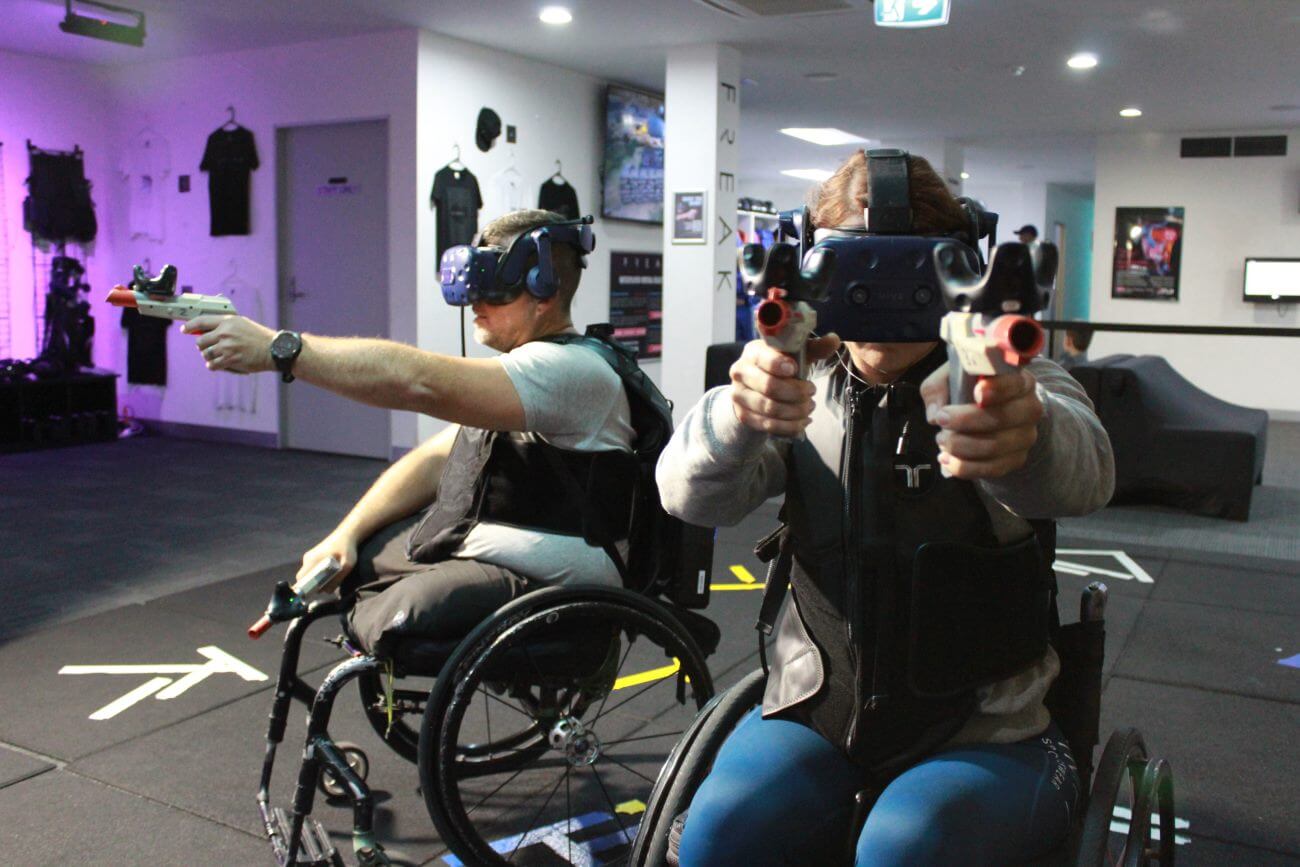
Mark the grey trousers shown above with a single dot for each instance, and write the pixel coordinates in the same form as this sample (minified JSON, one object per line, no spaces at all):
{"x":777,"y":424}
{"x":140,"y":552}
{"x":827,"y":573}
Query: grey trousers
{"x":397,"y":598}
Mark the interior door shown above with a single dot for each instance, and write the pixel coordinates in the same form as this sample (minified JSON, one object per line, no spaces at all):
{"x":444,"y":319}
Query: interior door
{"x":333,"y":204}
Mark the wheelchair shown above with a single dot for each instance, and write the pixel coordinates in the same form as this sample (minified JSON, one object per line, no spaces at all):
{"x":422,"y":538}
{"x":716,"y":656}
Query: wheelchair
{"x":1127,"y":782}
{"x":537,"y":742}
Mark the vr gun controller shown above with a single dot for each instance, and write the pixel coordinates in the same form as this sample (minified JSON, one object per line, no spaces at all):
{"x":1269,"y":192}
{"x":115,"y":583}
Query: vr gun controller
{"x":288,"y":602}
{"x":785,"y":319}
{"x":989,"y":329}
{"x":156,"y":296}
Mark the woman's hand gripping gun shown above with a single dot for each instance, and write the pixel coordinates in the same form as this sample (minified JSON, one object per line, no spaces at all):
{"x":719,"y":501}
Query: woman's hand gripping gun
{"x":989,"y":329}
{"x":156,"y":296}
{"x":786,"y":319}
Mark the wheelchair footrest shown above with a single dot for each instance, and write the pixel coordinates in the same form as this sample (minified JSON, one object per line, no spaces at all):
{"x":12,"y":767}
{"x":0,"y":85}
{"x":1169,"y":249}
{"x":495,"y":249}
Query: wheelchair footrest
{"x":314,"y":848}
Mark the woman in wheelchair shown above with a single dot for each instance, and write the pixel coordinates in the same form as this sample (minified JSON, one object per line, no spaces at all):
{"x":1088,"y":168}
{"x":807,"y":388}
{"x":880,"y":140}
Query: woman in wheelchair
{"x":911,"y":660}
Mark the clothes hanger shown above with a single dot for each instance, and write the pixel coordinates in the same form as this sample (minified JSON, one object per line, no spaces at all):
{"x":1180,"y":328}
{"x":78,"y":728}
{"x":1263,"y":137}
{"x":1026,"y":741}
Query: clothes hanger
{"x":558,"y":177}
{"x":232,"y":123}
{"x":456,"y":164}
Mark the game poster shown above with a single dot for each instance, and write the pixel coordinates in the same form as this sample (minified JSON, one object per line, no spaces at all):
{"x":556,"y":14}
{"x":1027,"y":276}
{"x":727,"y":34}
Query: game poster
{"x":688,"y":218}
{"x":636,"y":307}
{"x":1148,"y":249}
{"x":633,"y":172}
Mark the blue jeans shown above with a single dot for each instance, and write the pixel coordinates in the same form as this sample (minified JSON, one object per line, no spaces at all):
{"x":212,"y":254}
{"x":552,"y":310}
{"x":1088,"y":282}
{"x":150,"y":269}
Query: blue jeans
{"x":781,"y":794}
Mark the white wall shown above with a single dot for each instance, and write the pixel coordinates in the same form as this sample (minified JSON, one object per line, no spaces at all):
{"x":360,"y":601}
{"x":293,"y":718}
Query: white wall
{"x":56,"y":105}
{"x":559,"y":114}
{"x":1234,"y":208}
{"x":1015,"y":204}
{"x":360,"y":78}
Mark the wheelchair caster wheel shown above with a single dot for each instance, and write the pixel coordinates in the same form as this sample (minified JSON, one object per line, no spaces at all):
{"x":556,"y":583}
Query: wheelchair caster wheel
{"x":372,"y":856}
{"x":330,"y":785}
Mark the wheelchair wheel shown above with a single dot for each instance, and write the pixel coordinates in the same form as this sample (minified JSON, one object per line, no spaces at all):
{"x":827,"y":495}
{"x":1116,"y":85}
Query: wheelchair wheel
{"x":686,"y":768}
{"x":1128,"y":789}
{"x":593,"y":687}
{"x":358,"y":761}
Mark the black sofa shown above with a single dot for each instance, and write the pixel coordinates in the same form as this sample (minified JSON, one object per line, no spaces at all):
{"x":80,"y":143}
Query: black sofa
{"x":718,"y":359}
{"x":1174,"y":444}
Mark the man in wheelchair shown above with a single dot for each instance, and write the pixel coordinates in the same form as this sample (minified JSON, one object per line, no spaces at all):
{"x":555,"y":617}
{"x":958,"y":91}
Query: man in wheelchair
{"x":911,"y":659}
{"x":543,"y":478}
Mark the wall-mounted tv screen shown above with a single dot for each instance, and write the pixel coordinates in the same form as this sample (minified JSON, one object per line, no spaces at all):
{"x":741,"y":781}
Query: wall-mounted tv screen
{"x":1272,"y":280}
{"x":632,"y":177}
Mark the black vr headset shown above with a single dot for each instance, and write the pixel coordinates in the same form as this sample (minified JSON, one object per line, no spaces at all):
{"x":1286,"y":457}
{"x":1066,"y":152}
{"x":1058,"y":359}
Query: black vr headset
{"x":498,"y":275}
{"x":878,"y":284}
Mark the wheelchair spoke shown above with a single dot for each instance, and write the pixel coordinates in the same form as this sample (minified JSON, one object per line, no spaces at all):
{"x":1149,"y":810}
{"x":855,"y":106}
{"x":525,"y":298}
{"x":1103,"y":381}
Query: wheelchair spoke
{"x":484,"y":799}
{"x":568,"y":815}
{"x":634,"y":695}
{"x":630,"y":770}
{"x":674,"y":735}
{"x":613,"y":810}
{"x":621,"y":663}
{"x":538,"y":814}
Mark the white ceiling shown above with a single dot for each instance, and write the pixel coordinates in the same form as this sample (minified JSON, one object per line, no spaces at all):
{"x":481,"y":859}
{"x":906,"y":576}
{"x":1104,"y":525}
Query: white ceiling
{"x":1189,"y":64}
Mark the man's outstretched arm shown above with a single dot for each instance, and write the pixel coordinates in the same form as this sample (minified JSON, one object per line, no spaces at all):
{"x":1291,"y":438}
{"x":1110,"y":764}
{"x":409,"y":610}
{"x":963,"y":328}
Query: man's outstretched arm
{"x":470,"y":391}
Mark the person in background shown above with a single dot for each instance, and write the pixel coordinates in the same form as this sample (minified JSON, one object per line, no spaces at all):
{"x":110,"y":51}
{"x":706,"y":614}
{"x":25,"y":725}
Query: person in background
{"x":1028,"y":233}
{"x":1074,"y":348}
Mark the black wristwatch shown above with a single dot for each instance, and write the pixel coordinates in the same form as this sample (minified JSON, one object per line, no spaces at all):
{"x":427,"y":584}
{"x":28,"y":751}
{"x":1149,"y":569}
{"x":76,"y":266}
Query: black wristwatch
{"x":285,"y":347}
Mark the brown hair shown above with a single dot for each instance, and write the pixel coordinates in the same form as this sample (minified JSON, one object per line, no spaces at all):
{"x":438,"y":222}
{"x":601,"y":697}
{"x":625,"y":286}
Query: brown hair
{"x":568,"y":272}
{"x":841,"y":197}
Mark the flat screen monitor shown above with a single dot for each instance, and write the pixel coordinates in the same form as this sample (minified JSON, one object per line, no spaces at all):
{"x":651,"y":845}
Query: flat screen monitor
{"x":632,"y":176}
{"x":1272,"y":280}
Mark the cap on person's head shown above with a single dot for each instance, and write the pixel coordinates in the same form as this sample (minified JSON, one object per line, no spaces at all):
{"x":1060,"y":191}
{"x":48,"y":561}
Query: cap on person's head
{"x":489,"y":127}
{"x":1028,"y":227}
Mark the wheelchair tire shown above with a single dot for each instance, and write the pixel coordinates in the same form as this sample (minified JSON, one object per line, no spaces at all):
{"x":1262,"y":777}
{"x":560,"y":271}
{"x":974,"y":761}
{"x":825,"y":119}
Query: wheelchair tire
{"x":686,"y":768}
{"x":1127,"y":780}
{"x":477,"y":800}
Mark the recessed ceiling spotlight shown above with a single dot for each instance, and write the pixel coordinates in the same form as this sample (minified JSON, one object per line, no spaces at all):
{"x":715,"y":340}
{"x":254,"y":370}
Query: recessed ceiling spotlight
{"x":821,"y":76}
{"x":824,"y":135}
{"x":807,"y":174}
{"x":1083,"y":60}
{"x":965,"y":176}
{"x":555,"y":15}
{"x":1130,"y":112}
{"x":1017,"y":71}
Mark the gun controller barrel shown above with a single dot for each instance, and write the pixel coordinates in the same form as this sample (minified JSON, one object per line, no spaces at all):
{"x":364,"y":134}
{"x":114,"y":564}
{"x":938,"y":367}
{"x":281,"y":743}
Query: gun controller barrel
{"x":321,"y":573}
{"x":786,"y":326}
{"x":185,"y":307}
{"x":980,"y":346}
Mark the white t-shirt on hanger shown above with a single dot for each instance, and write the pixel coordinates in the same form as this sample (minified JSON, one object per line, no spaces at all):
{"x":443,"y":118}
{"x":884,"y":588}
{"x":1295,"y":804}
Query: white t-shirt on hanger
{"x":507,"y":192}
{"x":145,"y":165}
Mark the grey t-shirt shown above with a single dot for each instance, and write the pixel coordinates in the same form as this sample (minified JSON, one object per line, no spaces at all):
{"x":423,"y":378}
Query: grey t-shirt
{"x":573,"y":399}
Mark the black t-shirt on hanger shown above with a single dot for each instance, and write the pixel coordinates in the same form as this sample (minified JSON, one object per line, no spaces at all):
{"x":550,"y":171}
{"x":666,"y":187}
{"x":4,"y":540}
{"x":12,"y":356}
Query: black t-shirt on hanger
{"x":229,"y":158}
{"x":457,"y":198}
{"x":559,"y":196}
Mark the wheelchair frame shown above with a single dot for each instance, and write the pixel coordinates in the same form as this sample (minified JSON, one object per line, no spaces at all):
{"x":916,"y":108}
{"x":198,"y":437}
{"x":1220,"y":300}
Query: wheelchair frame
{"x":340,"y":768}
{"x":1075,"y":701}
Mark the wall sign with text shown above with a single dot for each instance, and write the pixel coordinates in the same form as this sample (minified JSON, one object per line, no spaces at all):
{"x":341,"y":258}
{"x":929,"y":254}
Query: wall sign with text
{"x":636,"y":283}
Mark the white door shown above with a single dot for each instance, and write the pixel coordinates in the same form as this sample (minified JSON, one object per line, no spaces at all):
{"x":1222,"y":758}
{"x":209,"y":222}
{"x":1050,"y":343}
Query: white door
{"x":333,"y":220}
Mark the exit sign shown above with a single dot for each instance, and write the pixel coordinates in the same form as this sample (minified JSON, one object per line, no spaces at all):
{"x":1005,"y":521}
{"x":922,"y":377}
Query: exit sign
{"x":912,"y":13}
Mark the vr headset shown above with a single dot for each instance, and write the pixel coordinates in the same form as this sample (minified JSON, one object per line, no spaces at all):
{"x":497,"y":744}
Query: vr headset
{"x":879,"y":284}
{"x":498,"y":275}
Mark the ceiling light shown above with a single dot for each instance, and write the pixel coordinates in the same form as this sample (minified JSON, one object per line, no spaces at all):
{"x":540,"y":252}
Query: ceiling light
{"x":1082,"y":61}
{"x":821,"y":76}
{"x":103,"y":21}
{"x":824,"y":135}
{"x":1130,"y":112}
{"x":965,"y":176}
{"x":555,"y":15}
{"x":807,"y":174}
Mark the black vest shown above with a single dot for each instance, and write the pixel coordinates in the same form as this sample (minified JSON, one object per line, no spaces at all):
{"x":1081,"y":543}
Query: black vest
{"x":904,"y":602}
{"x":515,"y":479}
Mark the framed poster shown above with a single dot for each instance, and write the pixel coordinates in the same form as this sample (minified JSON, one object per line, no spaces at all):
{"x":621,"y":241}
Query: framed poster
{"x":688,"y":218}
{"x":1148,"y":250}
{"x":636,"y":310}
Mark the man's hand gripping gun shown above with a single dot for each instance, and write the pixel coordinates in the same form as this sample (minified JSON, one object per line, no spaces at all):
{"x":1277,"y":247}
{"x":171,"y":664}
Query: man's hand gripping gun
{"x":785,"y":319}
{"x":156,"y":296}
{"x":290,"y":602}
{"x":989,"y":329}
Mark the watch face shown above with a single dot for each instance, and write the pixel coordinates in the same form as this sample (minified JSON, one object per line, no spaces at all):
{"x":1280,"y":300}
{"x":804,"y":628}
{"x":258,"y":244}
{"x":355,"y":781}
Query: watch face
{"x":286,"y":345}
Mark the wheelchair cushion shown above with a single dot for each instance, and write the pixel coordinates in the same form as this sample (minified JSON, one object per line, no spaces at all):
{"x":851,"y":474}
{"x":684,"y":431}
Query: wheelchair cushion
{"x":559,"y":657}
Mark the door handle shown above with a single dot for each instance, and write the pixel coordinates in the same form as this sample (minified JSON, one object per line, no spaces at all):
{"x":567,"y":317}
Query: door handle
{"x":293,"y":292}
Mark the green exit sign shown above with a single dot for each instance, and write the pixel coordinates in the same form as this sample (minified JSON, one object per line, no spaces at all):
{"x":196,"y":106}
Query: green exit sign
{"x":912,"y":13}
